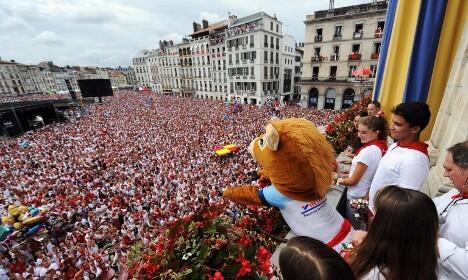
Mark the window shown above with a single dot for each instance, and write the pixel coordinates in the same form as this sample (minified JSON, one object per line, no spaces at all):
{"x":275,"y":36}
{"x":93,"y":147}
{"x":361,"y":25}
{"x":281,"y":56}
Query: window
{"x":356,"y":48}
{"x":266,"y":41}
{"x":318,"y":35}
{"x":358,"y":28}
{"x":271,"y":42}
{"x":277,"y":43}
{"x":265,"y":57}
{"x":315,"y":71}
{"x":338,"y":30}
{"x":316,"y":51}
{"x":376,"y":48}
{"x":271,"y":26}
{"x":333,"y":73}
{"x":251,"y":40}
{"x":351,"y":70}
{"x":265,"y":72}
{"x":381,"y":25}
{"x":373,"y":69}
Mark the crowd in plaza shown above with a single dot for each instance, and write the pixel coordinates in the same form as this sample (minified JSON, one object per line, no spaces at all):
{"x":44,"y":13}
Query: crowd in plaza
{"x":118,"y":174}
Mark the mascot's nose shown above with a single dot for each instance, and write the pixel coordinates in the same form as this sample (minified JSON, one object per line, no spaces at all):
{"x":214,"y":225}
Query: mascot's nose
{"x":251,"y":148}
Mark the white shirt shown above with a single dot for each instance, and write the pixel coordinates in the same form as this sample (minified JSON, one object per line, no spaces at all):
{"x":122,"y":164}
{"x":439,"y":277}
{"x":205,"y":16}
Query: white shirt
{"x":373,"y":274}
{"x":453,"y":244}
{"x":406,"y":168}
{"x":370,"y":156}
{"x":318,"y":219}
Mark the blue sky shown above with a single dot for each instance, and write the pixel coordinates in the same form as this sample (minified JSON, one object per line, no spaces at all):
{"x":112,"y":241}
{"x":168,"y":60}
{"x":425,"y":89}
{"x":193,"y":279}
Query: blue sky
{"x":110,"y":33}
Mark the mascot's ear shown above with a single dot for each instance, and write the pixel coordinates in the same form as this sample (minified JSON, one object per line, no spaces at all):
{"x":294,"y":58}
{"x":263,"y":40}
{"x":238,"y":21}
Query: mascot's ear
{"x":271,"y":137}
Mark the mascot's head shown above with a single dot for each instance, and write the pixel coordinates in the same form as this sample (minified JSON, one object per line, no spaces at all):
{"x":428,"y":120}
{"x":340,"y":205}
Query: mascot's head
{"x":296,"y":158}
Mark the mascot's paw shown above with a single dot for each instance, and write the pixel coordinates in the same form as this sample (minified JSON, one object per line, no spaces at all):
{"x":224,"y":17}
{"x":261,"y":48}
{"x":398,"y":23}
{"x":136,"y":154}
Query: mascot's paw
{"x":246,"y":195}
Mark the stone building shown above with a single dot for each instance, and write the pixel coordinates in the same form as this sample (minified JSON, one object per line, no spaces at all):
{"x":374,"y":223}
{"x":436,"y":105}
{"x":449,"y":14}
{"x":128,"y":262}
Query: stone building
{"x":337,"y":42}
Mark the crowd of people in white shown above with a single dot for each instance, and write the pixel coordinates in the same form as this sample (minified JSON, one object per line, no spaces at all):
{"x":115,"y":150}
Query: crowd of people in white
{"x":118,"y":174}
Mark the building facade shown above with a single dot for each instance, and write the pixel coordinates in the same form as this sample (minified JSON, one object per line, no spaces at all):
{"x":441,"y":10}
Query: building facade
{"x":337,"y":42}
{"x":247,"y":59}
{"x":142,"y":68}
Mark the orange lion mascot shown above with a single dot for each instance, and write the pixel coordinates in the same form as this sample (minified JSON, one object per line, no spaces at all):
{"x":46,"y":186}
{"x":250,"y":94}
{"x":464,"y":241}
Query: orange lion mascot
{"x":297,"y":162}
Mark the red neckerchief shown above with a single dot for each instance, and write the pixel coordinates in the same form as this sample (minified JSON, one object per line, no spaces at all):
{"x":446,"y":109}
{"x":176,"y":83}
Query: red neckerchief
{"x":381,"y":144}
{"x":460,"y":195}
{"x":417,"y":146}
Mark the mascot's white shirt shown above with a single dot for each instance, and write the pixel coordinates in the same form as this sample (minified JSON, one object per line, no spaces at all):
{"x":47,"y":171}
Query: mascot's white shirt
{"x":316,"y":219}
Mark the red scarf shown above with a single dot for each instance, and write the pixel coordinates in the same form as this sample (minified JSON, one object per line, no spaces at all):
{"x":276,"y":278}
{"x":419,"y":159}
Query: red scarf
{"x":417,"y":146}
{"x":381,"y":144}
{"x":460,"y":195}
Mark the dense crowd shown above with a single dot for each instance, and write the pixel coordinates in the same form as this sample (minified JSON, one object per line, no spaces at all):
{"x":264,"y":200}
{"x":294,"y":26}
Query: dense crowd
{"x":118,"y":174}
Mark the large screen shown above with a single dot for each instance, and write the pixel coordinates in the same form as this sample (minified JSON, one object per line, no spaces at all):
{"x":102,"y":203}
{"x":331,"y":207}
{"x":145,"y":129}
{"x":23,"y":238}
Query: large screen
{"x":95,"y":87}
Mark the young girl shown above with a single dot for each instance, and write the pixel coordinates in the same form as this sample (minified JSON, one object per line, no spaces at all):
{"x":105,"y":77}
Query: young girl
{"x":372,"y":131}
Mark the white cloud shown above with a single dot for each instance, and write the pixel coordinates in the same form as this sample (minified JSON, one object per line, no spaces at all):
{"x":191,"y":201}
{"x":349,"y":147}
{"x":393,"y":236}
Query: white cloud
{"x":111,"y":32}
{"x":48,"y":38}
{"x":210,"y":17}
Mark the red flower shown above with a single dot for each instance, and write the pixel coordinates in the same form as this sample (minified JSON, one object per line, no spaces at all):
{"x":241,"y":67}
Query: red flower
{"x":245,"y":266}
{"x":244,"y":241}
{"x":263,"y":253}
{"x":217,"y":276}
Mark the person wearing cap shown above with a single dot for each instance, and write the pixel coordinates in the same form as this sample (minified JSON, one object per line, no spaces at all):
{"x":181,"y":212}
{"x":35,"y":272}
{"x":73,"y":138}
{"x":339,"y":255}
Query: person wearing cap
{"x":452,"y":208}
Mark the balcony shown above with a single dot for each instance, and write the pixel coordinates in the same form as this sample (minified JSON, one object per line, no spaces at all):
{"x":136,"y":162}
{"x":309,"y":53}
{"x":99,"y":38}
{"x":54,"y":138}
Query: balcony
{"x":378,"y":33}
{"x":265,"y":45}
{"x":334,"y":57}
{"x":251,"y":45}
{"x":318,"y":38}
{"x":337,"y":37}
{"x":332,"y":78}
{"x":244,"y":77}
{"x":272,"y":46}
{"x":317,"y":58}
{"x":252,"y":76}
{"x":237,"y":61}
{"x":314,"y":77}
{"x":236,"y":48}
{"x":375,"y":55}
{"x":244,"y":61}
{"x":244,"y":46}
{"x":354,"y":56}
{"x":357,"y":35}
{"x":229,"y":49}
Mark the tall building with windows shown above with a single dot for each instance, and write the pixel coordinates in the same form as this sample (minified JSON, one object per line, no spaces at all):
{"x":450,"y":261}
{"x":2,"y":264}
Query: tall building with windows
{"x":247,"y":59}
{"x":142,"y":68}
{"x":337,"y":42}
{"x":254,"y":50}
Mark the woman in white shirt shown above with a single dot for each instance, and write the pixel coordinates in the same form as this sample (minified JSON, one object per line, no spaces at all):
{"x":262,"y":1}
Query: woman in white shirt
{"x":402,"y":240}
{"x":373,"y":134}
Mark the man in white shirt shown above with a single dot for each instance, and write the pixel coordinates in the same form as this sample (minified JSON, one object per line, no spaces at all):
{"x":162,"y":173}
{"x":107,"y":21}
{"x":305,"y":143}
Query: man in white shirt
{"x":452,"y":208}
{"x":406,"y":163}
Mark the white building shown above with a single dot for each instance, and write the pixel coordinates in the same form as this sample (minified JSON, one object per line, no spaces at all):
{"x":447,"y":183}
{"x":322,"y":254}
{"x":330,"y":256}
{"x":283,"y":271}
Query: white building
{"x":142,"y":68}
{"x":337,"y":41}
{"x":240,"y":58}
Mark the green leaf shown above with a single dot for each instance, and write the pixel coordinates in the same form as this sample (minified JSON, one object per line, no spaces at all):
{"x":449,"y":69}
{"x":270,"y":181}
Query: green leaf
{"x":230,"y":272}
{"x":220,"y":257}
{"x":250,"y":251}
{"x":203,"y":253}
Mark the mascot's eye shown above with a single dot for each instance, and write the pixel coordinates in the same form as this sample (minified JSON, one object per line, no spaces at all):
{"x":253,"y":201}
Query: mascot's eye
{"x":262,"y":144}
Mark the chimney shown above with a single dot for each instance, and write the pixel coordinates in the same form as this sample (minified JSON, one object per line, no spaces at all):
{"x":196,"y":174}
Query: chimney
{"x":12,"y":60}
{"x":196,"y":27}
{"x":205,"y":23}
{"x":171,"y":43}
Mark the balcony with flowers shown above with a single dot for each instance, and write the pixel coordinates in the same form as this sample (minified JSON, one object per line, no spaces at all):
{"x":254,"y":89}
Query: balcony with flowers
{"x":354,"y":56}
{"x":317,"y":58}
{"x":375,"y":55}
